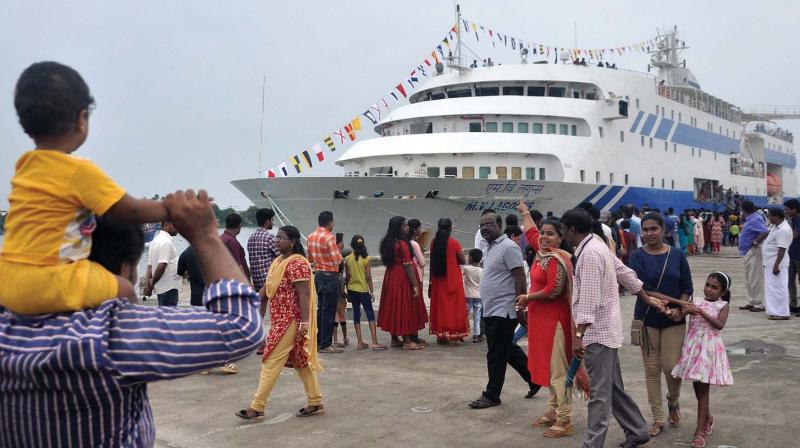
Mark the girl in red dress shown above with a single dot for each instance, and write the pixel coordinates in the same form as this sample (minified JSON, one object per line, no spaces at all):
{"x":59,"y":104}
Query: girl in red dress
{"x":401,"y":312}
{"x":550,"y":326}
{"x":448,"y":313}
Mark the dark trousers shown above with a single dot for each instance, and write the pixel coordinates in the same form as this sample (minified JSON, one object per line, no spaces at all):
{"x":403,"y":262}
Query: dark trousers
{"x":169,"y":298}
{"x":794,"y":271}
{"x":609,"y":398}
{"x":327,"y":297}
{"x":502,"y":352}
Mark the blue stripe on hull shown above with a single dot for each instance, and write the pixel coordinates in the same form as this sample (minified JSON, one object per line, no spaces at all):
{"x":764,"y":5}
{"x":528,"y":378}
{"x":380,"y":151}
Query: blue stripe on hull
{"x":602,"y":202}
{"x":663,"y":128}
{"x":636,"y":121}
{"x":648,"y":124}
{"x":663,"y":199}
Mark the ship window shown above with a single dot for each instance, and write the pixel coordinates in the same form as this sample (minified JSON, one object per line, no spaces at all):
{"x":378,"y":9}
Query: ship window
{"x":652,"y":182}
{"x":514,"y":90}
{"x":541,"y":174}
{"x":692,"y":152}
{"x":484,"y":172}
{"x":437,"y":95}
{"x":715,"y":156}
{"x":508,"y":126}
{"x":530,"y":173}
{"x":516,"y":173}
{"x":573,"y":130}
{"x":557,"y":92}
{"x":522,"y":128}
{"x":576,"y":94}
{"x":727,"y":132}
{"x":611,"y":178}
{"x":381,"y":171}
{"x":536,"y":91}
{"x":626,"y":179}
{"x":450,"y":171}
{"x":537,"y":128}
{"x":642,"y":139}
{"x":475,"y":126}
{"x":487,"y":91}
{"x":672,"y":114}
{"x":583,"y":176}
{"x":680,"y":117}
{"x":600,"y":131}
{"x":491,"y":126}
{"x":502,"y":172}
{"x":699,"y":153}
{"x":591,"y":95}
{"x":651,"y":142}
{"x":673,"y":184}
{"x":468,"y":172}
{"x":551,"y":128}
{"x":675,"y":148}
{"x":663,"y":111}
{"x":597,"y":177}
{"x":637,"y":103}
{"x":460,"y":92}
{"x":622,"y":136}
{"x":433,"y":171}
{"x":666,"y":146}
{"x":563,"y":129}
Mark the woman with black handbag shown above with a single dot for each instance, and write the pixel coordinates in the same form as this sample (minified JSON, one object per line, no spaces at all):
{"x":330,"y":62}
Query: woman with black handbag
{"x":666,"y":275}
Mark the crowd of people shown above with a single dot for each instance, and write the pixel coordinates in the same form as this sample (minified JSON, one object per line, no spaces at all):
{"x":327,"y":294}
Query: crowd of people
{"x":74,"y":340}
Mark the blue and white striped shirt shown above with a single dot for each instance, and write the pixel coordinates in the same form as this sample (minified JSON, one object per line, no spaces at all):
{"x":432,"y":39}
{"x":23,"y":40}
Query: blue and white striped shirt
{"x":80,"y":379}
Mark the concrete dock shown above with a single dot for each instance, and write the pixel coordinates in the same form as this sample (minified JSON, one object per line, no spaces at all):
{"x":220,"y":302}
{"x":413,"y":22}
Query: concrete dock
{"x":398,"y":398}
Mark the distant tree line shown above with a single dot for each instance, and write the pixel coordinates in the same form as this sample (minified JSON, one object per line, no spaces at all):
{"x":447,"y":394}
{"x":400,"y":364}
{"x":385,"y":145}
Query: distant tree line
{"x":248,"y":216}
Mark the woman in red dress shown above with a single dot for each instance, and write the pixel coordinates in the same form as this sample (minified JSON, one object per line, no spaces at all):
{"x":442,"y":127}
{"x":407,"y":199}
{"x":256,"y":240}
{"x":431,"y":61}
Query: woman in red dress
{"x":550,"y":326}
{"x":448,"y":313}
{"x":401,"y":312}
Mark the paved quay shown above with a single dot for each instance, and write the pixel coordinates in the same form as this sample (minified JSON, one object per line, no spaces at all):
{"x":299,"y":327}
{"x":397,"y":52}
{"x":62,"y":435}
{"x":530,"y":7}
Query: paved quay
{"x":419,"y":399}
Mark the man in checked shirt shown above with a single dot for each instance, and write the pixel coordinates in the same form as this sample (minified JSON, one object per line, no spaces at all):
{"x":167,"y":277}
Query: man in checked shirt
{"x":597,"y":315}
{"x":262,"y":251}
{"x":324,"y":255}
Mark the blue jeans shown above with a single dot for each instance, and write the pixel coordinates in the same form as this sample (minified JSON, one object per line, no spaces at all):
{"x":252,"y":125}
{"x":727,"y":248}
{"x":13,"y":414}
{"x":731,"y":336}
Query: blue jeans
{"x":327,"y":287}
{"x":361,"y":299}
{"x":475,"y":307}
{"x":520,"y":333}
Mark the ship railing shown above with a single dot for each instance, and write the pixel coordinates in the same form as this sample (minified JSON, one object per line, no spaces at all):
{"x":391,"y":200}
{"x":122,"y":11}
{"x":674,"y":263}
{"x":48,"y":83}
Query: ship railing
{"x":773,"y":131}
{"x":707,"y":103}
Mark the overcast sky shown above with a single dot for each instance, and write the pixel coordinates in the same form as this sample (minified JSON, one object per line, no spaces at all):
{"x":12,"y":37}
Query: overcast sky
{"x":178,"y":83}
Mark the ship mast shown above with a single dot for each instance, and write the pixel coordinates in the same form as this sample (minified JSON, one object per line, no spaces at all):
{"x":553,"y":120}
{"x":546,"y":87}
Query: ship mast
{"x":456,"y":63}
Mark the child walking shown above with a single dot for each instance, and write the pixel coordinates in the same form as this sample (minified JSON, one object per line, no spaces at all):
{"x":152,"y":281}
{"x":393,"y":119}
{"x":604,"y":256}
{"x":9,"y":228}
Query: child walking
{"x":703,"y":358}
{"x":358,"y":278}
{"x":472,"y":280}
{"x":55,"y":195}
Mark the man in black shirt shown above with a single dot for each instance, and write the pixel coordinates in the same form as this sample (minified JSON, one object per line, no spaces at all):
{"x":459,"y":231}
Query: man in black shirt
{"x":187,"y":264}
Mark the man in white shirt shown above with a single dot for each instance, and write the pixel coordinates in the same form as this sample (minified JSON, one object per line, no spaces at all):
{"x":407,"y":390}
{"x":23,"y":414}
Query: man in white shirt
{"x":162,"y":267}
{"x":776,"y":265}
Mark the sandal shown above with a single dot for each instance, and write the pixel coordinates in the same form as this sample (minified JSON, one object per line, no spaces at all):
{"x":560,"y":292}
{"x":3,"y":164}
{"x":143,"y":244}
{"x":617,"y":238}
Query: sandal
{"x":379,"y":347}
{"x":229,"y":368}
{"x":243,"y":413}
{"x":656,"y":429}
{"x":674,"y":414}
{"x":699,"y":441}
{"x":548,"y":419}
{"x":708,"y":428}
{"x":564,"y":429}
{"x":412,"y":346}
{"x":362,"y":346}
{"x":310,"y":410}
{"x":483,"y":403}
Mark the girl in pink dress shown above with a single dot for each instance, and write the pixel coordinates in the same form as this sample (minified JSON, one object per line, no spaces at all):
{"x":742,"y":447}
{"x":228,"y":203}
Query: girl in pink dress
{"x":703,"y":359}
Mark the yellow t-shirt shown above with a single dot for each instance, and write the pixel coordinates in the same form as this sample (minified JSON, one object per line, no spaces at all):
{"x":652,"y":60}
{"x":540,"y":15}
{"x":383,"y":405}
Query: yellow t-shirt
{"x":53,"y":199}
{"x":358,"y":273}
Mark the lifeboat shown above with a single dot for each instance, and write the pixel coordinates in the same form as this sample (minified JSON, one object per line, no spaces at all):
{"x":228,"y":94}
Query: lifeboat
{"x":773,"y":185}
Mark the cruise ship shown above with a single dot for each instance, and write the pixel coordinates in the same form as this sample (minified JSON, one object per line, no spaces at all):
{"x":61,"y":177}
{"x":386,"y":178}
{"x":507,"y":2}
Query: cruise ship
{"x":553,"y":135}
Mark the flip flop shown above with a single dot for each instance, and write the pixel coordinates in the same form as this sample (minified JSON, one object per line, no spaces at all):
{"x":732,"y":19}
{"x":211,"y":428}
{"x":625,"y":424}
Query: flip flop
{"x":242,"y":413}
{"x":229,"y":368}
{"x":378,"y":348}
{"x":307,"y":411}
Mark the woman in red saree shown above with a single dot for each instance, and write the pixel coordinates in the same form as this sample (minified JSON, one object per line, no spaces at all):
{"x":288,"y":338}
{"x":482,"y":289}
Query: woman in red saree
{"x":448,"y":312}
{"x":550,"y":326}
{"x":401,"y":312}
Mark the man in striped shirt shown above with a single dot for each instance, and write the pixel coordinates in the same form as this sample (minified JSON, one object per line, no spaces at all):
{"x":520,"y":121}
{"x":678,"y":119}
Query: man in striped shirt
{"x":80,"y":379}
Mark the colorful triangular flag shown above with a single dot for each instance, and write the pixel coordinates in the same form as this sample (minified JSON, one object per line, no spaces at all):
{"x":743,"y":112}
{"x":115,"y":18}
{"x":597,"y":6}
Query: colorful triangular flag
{"x":307,"y":158}
{"x":270,"y":172}
{"x":350,"y":132}
{"x":317,"y":148}
{"x":356,"y":123}
{"x":401,"y":89}
{"x":296,"y":163}
{"x":329,"y":142}
{"x":283,"y":170}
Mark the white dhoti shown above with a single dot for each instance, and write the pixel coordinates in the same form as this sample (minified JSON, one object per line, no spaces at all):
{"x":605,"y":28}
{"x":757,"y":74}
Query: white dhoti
{"x":754,"y":276}
{"x":776,"y":291}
